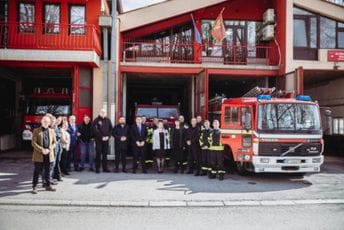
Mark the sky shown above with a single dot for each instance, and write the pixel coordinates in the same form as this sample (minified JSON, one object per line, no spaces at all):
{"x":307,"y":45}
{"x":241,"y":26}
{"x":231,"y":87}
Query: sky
{"x":134,"y":4}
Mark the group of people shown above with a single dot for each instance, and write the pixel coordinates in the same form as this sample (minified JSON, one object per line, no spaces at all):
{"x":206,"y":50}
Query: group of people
{"x":195,"y":148}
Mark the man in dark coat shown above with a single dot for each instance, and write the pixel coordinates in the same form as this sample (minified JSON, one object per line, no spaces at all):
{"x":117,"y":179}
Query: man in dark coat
{"x":192,"y":142}
{"x":121,"y":134}
{"x":138,"y":134}
{"x":102,"y":129}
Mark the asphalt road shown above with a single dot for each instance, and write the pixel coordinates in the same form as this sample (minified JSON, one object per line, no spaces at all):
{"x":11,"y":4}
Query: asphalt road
{"x":239,"y":217}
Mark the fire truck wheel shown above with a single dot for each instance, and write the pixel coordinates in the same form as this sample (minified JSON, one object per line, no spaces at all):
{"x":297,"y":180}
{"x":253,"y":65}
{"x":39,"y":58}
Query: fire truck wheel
{"x":242,"y":168}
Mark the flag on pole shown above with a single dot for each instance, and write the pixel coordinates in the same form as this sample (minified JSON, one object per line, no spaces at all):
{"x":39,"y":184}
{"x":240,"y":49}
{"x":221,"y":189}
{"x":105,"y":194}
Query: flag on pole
{"x":219,"y":31}
{"x":197,"y":33}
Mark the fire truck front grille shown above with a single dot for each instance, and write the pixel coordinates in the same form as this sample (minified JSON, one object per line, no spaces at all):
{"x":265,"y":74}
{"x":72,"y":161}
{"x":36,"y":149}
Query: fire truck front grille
{"x":288,"y":149}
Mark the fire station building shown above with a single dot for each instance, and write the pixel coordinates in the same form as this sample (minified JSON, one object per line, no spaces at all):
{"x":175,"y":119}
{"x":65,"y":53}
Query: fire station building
{"x":75,"y":50}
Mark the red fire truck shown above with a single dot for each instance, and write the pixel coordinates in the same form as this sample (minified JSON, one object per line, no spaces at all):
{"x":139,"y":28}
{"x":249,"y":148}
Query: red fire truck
{"x":56,"y":101}
{"x":269,"y":131}
{"x":158,"y":110}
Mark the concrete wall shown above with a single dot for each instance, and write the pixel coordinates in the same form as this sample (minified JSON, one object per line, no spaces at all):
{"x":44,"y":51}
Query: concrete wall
{"x":319,"y":7}
{"x":97,"y":89}
{"x":331,"y":95}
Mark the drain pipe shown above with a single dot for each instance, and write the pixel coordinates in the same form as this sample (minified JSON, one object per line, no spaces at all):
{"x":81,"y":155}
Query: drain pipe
{"x":105,"y":66}
{"x":114,"y":41}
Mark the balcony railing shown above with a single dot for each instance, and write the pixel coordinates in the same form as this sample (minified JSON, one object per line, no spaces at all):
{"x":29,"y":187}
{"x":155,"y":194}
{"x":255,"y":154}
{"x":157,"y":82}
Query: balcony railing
{"x":49,"y":37}
{"x":155,"y":52}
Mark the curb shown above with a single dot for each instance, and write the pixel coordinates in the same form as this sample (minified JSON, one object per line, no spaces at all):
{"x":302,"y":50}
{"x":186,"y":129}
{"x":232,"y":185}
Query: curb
{"x":152,"y":204}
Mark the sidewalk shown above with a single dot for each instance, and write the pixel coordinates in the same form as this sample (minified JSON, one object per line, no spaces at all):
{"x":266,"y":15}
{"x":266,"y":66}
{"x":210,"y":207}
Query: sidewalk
{"x":169,"y":189}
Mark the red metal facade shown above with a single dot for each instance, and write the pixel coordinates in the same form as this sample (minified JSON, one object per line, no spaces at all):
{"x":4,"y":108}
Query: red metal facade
{"x":273,"y":52}
{"x":37,"y":39}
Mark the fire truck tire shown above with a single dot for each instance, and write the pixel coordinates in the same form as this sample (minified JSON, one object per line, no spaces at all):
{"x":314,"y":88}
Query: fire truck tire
{"x":229,"y":162}
{"x":242,"y":168}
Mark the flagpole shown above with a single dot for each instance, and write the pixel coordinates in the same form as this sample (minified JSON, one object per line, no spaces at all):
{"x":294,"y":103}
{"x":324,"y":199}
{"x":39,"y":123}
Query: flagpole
{"x":223,"y":9}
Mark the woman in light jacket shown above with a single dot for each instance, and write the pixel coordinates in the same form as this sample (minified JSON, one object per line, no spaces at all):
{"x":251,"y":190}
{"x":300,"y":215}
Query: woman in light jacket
{"x":161,"y":142}
{"x":65,"y":144}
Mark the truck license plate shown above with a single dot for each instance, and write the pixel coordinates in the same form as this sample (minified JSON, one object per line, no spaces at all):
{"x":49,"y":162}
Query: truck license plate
{"x":292,"y":161}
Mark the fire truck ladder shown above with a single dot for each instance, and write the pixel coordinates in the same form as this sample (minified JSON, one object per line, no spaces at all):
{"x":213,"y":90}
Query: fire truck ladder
{"x":256,"y":91}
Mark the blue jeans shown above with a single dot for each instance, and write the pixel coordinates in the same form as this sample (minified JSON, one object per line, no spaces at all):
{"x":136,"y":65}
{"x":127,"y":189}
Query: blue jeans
{"x":89,"y":148}
{"x":57,"y":154}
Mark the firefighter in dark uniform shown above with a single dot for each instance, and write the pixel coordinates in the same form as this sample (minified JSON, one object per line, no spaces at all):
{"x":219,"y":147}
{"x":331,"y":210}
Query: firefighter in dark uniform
{"x":184,"y":125}
{"x":216,"y":152}
{"x":200,"y":124}
{"x":121,"y":134}
{"x":205,"y":145}
{"x":182,"y":122}
{"x":149,"y":144}
{"x":178,"y":147}
{"x":192,"y":142}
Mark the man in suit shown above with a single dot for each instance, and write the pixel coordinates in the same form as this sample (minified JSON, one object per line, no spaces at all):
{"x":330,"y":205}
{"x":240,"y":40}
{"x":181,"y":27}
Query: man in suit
{"x":73,"y":131}
{"x":138,"y":134}
{"x":102,"y":128}
{"x":43,"y":143}
{"x":121,"y":134}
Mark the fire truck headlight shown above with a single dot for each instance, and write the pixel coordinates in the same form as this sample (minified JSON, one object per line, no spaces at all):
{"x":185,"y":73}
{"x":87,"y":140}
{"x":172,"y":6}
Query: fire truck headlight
{"x":264,"y":160}
{"x":247,"y":157}
{"x":316,"y":160}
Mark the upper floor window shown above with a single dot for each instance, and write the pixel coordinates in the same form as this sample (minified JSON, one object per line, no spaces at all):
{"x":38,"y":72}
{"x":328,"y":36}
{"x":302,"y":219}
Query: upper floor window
{"x":51,"y":18}
{"x":328,"y":33}
{"x":338,"y":2}
{"x":26,"y":17}
{"x":340,"y":35}
{"x":313,"y":32}
{"x":77,"y":19}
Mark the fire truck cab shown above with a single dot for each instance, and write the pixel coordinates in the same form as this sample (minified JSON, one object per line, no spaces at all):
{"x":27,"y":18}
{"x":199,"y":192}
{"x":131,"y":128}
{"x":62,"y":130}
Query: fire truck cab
{"x":268,"y":131}
{"x":56,"y":101}
{"x":157,"y":110}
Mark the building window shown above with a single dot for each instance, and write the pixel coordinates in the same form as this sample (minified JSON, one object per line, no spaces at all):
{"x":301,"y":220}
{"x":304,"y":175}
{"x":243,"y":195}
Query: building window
{"x":300,"y":33}
{"x":240,"y":41}
{"x":172,"y":45}
{"x":26,"y":17}
{"x":77,"y":19}
{"x":328,"y":33}
{"x":51,"y":18}
{"x":340,"y":35}
{"x":313,"y":32}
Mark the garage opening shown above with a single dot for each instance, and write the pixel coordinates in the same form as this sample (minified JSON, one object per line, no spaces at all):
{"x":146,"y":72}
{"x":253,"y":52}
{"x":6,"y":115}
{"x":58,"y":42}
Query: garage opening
{"x":145,"y":89}
{"x":326,"y":87}
{"x":35,"y":91}
{"x":235,"y":86}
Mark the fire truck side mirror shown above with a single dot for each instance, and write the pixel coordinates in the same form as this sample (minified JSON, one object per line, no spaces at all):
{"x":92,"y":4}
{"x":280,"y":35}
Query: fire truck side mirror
{"x":247,"y":122}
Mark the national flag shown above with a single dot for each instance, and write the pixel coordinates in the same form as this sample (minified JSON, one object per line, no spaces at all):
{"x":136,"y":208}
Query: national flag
{"x":219,"y":31}
{"x":197,"y":33}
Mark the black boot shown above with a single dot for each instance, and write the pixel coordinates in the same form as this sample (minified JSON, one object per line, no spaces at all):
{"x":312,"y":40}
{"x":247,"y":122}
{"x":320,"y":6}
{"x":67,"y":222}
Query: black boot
{"x":221,"y":176}
{"x":175,"y":170}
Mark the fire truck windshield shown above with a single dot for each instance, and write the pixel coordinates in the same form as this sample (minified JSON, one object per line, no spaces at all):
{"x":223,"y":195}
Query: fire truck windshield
{"x":41,"y":106}
{"x":151,"y":112}
{"x":296,"y":118}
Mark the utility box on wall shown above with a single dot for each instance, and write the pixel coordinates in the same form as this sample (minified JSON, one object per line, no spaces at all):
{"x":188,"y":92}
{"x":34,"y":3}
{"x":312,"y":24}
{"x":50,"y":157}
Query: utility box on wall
{"x":105,"y":21}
